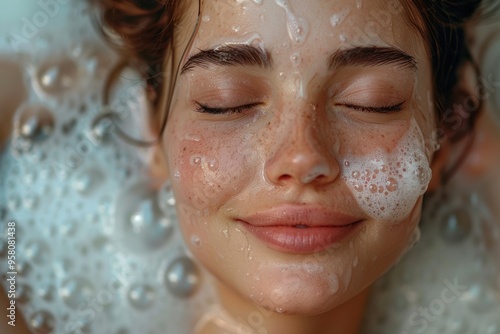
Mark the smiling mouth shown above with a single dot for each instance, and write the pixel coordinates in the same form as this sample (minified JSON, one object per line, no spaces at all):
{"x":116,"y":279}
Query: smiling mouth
{"x":300,"y":228}
{"x":301,"y":239}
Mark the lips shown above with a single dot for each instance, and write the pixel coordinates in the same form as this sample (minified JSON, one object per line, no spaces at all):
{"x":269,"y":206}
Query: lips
{"x":299,"y":228}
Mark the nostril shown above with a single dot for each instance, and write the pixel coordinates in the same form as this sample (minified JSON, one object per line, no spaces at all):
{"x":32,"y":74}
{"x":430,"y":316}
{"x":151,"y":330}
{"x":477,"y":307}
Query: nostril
{"x":317,"y":173}
{"x":284,"y":178}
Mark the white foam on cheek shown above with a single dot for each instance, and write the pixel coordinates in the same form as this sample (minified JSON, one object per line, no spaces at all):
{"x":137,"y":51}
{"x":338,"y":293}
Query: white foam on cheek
{"x":387,"y":185}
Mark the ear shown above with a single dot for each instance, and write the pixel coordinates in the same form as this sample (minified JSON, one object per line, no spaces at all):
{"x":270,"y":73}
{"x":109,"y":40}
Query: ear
{"x":439,"y":165}
{"x":157,"y":164}
{"x":158,"y":169}
{"x":484,"y":150}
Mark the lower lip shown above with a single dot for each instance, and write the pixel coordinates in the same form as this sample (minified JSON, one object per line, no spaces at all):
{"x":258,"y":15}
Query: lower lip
{"x":301,"y":240}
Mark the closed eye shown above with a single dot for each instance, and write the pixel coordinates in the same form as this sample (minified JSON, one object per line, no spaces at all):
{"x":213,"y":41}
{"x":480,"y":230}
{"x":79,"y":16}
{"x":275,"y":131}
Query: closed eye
{"x":383,"y":110}
{"x":220,"y":111}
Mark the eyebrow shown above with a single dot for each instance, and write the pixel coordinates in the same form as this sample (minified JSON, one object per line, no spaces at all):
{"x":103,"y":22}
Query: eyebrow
{"x":249,"y":55}
{"x":229,"y":55}
{"x":371,"y":56}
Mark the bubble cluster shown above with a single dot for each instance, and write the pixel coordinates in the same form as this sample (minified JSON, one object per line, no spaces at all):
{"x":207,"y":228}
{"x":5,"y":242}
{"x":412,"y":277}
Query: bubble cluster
{"x":387,"y":185}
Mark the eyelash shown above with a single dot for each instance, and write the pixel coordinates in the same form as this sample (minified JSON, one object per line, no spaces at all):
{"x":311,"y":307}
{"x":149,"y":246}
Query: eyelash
{"x":221,"y":111}
{"x":239,"y":109}
{"x":381,"y":110}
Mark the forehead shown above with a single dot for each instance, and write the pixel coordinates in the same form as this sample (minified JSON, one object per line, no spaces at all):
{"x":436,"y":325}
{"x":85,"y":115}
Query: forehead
{"x":305,"y":25}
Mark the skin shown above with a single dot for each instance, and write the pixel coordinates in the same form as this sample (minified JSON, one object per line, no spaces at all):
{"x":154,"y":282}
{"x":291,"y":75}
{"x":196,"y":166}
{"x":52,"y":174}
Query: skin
{"x":226,"y":167}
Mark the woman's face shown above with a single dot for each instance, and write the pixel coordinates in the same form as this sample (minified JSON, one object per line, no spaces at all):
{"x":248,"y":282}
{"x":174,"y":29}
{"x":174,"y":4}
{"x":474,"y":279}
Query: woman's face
{"x":298,"y":146}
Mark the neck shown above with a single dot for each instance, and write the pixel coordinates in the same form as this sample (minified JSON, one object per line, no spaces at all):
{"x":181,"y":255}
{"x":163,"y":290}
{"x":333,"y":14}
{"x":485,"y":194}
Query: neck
{"x":239,"y":315}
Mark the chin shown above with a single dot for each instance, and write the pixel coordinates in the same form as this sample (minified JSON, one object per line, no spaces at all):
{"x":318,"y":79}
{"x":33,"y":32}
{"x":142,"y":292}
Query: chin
{"x":300,"y":293}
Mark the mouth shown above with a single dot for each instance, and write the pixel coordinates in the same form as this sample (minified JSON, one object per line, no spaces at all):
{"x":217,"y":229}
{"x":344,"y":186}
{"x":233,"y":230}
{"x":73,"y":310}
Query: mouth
{"x":300,"y":229}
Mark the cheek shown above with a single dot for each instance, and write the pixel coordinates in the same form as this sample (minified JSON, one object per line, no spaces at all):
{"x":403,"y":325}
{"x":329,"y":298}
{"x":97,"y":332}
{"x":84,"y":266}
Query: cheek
{"x":387,"y":185}
{"x":207,"y":167}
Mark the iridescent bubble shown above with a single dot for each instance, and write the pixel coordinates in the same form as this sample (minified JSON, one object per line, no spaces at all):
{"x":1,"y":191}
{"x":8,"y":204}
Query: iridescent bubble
{"x":46,"y":292}
{"x":166,"y":199}
{"x":75,"y":291}
{"x":88,"y":180}
{"x":391,"y":184}
{"x":358,"y":187}
{"x":57,"y":76}
{"x":493,"y":328}
{"x":143,"y":226}
{"x":37,"y":251}
{"x":101,"y":129}
{"x":480,"y":297}
{"x":34,"y":123}
{"x":23,"y":268}
{"x":141,"y":296}
{"x":456,"y":226}
{"x":182,"y":277}
{"x":42,"y":322}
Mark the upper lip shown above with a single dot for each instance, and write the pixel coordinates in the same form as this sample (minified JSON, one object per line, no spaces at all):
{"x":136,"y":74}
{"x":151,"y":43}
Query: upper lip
{"x":300,"y":215}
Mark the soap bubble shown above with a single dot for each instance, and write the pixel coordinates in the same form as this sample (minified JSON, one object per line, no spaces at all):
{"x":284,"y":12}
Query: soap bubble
{"x":182,"y":277}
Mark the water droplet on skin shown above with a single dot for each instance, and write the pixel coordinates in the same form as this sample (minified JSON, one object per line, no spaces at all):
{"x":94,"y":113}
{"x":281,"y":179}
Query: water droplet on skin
{"x":295,"y":58}
{"x":298,"y":83}
{"x":280,"y":310}
{"x":358,"y":187}
{"x":342,"y":38}
{"x":196,"y":241}
{"x":75,"y":291}
{"x":213,"y":164}
{"x":356,"y":174}
{"x":372,"y":188}
{"x":391,"y":184}
{"x":182,"y":277}
{"x":205,"y":18}
{"x":236,"y":28}
{"x":359,"y":4}
{"x":297,"y":26}
{"x":57,"y":77}
{"x":195,"y":160}
{"x":338,"y":18}
{"x":141,"y":296}
{"x":347,"y":163}
{"x":333,"y":284}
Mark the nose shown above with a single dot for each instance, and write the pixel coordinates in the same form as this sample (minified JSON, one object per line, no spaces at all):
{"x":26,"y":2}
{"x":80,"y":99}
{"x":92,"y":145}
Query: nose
{"x":302,"y":155}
